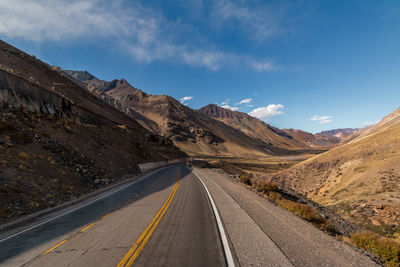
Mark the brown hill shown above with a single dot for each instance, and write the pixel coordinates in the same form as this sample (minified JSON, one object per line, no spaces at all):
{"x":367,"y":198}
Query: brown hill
{"x":99,"y":88}
{"x":362,"y":176}
{"x":254,"y":127}
{"x":340,"y":133}
{"x":322,"y":140}
{"x":307,"y":138}
{"x":191,"y":130}
{"x":58,"y":141}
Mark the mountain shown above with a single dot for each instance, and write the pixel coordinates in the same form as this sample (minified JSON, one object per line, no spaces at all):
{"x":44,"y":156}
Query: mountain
{"x":316,"y":141}
{"x":362,"y":175}
{"x":99,"y":88}
{"x":322,"y":140}
{"x":254,"y":127}
{"x":58,"y":141}
{"x":193,"y":131}
{"x":340,"y":133}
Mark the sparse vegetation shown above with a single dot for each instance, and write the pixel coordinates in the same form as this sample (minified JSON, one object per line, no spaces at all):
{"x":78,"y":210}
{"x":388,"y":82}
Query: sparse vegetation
{"x":272,"y":191}
{"x":244,"y":179}
{"x":386,"y":249}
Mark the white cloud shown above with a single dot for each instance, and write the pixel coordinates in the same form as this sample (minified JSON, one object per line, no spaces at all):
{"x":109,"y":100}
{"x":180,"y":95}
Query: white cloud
{"x":229,"y":107}
{"x":43,"y":20}
{"x":259,"y":23}
{"x":245,"y":101}
{"x":367,"y":123}
{"x":263,"y":66}
{"x":322,"y":119}
{"x":145,"y":34}
{"x":267,"y":112}
{"x":186,"y":98}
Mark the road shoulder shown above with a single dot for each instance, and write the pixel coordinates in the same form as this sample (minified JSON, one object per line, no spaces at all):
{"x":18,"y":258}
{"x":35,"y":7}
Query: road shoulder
{"x":298,"y":241}
{"x":252,"y":247}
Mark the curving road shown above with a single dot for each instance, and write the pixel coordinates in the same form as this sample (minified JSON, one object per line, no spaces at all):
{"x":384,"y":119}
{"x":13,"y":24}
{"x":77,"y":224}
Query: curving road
{"x":165,"y":218}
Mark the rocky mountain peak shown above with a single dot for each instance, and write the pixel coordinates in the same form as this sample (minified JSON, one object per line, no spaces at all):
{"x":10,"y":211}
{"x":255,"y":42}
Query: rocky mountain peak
{"x":216,"y":111}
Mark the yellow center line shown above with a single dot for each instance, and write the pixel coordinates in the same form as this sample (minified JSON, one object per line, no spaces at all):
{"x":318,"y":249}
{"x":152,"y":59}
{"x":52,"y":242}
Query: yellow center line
{"x":108,"y":214}
{"x":56,"y":246}
{"x":87,"y":227}
{"x":135,"y":250}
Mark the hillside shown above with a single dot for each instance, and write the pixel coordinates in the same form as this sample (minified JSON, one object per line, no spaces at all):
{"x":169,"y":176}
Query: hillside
{"x":58,"y":141}
{"x":361,"y":178}
{"x":340,"y":133}
{"x":191,"y":130}
{"x":323,"y":140}
{"x":253,"y":127}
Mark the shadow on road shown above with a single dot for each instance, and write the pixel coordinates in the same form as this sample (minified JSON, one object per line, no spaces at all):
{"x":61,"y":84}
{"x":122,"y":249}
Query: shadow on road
{"x":75,"y":220}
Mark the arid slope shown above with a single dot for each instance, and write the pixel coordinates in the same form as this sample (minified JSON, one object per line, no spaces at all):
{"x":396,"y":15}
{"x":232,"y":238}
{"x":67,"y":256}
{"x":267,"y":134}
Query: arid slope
{"x":362,"y":175}
{"x":253,"y":127}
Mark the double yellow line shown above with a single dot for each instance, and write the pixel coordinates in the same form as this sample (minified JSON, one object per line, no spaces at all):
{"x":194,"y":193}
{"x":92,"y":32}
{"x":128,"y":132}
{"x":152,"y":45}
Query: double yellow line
{"x":135,"y":250}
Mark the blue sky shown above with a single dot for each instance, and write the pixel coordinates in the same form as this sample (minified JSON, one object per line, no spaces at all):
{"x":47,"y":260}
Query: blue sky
{"x":310,"y":65}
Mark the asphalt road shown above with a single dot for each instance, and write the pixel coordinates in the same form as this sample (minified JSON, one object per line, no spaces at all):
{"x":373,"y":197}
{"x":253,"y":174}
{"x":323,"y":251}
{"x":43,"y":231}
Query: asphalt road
{"x":165,"y":218}
{"x":103,"y":233}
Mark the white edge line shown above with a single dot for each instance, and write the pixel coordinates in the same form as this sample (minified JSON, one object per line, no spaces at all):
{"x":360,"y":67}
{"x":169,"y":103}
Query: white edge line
{"x":77,"y":208}
{"x":225,"y":244}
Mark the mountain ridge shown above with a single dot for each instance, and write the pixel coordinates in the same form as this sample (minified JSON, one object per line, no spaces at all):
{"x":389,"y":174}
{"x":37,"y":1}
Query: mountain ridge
{"x":193,"y":130}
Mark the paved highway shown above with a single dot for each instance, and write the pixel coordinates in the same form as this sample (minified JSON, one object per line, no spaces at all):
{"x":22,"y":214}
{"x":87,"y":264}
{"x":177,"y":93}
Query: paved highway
{"x":166,"y":218}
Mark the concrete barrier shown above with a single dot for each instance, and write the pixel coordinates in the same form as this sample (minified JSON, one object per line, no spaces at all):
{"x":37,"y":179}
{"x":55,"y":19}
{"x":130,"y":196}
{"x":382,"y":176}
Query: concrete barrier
{"x":158,"y":164}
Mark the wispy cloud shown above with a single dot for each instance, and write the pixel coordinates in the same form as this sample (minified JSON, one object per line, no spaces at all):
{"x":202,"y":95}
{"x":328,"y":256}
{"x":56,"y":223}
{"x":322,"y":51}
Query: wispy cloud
{"x":147,"y":35}
{"x":229,"y":107}
{"x":186,"y":98}
{"x":267,"y":112}
{"x":225,"y":102}
{"x":322,"y":119}
{"x":258,"y":23}
{"x":263,"y":66}
{"x":245,"y":101}
{"x":62,"y":20}
{"x":367,"y":123}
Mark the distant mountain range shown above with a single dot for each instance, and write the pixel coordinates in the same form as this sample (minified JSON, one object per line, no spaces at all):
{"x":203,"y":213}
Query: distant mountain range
{"x":210,"y":131}
{"x":325,"y":139}
{"x":340,"y":133}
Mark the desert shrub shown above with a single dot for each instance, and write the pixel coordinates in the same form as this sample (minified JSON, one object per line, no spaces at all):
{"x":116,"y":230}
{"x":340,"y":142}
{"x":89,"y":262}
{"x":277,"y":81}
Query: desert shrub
{"x":244,"y":179}
{"x":302,"y":210}
{"x":264,"y":186}
{"x":386,"y":249}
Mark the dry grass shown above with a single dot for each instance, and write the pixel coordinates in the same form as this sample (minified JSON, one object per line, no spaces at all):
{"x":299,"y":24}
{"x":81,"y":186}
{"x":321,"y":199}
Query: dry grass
{"x":272,"y":191}
{"x":386,"y":249}
{"x":244,"y":179}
